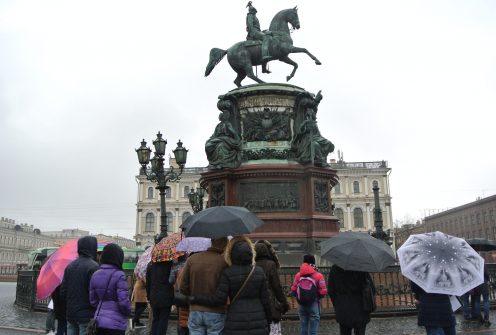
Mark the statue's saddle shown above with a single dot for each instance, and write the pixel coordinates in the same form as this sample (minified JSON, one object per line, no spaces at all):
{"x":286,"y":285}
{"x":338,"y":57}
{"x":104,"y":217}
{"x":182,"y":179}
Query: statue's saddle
{"x":252,"y":43}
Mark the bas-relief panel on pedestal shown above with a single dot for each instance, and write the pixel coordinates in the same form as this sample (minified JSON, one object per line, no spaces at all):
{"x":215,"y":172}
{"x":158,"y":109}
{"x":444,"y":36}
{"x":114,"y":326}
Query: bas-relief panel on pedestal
{"x":269,"y":196}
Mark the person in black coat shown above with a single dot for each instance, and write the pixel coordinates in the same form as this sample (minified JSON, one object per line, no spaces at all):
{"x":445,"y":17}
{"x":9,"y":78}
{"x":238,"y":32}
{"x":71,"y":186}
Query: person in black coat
{"x":345,"y":289}
{"x":434,"y":312}
{"x":278,"y":301}
{"x":160,"y":294}
{"x":250,"y":312}
{"x":75,"y":287}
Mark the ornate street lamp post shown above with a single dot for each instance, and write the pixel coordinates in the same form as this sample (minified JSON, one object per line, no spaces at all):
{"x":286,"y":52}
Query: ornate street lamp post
{"x":157,"y":173}
{"x":196,"y":199}
{"x":379,"y":232}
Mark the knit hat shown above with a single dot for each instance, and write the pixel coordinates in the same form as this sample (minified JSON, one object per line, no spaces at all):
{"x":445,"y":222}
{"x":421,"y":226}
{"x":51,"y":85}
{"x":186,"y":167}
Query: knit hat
{"x":309,"y":259}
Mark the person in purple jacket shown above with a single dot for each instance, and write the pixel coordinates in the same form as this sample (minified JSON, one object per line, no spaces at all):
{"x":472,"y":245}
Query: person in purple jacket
{"x":109,"y":293}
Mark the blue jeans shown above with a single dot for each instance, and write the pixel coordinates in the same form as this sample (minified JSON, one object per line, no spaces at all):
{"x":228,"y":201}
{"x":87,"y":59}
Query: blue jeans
{"x":76,"y":328}
{"x":466,"y":306}
{"x":206,"y":323}
{"x":309,"y":318}
{"x":476,"y":303}
{"x":440,"y":331}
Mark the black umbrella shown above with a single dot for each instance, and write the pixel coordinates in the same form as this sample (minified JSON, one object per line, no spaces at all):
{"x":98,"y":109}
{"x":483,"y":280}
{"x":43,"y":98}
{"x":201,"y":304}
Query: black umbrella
{"x":481,"y":244}
{"x":220,"y":221}
{"x":357,"y":252}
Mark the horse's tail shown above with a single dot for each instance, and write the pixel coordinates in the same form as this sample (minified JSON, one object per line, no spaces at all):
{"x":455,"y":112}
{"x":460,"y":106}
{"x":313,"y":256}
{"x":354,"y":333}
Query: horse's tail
{"x":216,"y":56}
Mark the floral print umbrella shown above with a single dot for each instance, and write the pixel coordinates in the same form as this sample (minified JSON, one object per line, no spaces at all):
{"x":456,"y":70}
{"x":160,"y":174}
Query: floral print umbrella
{"x":441,"y":263}
{"x":194,"y":244}
{"x":143,"y":260}
{"x":165,"y":250}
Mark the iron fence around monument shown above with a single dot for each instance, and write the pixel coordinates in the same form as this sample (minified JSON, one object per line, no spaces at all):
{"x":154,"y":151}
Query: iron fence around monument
{"x":393,"y":291}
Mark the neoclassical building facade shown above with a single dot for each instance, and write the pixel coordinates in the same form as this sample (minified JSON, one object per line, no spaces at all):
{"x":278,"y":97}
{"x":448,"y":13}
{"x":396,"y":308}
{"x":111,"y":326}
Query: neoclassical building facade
{"x":353,"y":199}
{"x":17,"y":240}
{"x":178,"y":207}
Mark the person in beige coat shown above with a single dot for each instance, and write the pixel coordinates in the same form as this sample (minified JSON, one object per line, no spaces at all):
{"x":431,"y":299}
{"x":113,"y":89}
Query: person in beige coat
{"x":140,"y":302}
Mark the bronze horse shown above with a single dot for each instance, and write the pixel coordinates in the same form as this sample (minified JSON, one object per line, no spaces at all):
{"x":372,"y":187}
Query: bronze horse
{"x":242,"y":56}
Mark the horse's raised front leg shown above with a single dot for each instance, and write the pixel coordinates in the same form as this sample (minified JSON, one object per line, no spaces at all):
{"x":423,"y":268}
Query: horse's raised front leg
{"x":297,"y":49}
{"x":289,"y":61}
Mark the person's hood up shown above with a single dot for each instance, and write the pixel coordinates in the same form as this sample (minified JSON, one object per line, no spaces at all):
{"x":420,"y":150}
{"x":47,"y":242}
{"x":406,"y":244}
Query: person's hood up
{"x":112,"y":254}
{"x":87,"y":246}
{"x":306,"y":269}
{"x":240,"y":251}
{"x":267,"y":252}
{"x":262,"y":251}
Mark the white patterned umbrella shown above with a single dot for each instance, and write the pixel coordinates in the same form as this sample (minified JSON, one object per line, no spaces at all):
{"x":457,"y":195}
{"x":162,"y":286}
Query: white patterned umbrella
{"x":441,"y":263}
{"x":143,"y":260}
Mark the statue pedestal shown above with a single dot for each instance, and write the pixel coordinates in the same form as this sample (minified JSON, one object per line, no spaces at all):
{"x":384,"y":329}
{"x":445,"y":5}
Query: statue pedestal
{"x":292,"y":198}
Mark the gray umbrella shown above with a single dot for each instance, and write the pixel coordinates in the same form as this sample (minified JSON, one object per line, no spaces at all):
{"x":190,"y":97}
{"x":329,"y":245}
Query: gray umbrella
{"x":482,"y":244}
{"x":357,"y":252}
{"x":441,"y":263}
{"x":221,"y":221}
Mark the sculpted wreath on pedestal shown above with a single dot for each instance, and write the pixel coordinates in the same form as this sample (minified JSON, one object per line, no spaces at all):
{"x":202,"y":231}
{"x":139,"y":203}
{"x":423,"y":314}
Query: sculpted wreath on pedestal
{"x":261,"y":46}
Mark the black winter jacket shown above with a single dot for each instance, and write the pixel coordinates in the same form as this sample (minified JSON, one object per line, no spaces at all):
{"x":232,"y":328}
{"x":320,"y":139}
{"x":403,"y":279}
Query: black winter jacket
{"x":159,"y":291}
{"x":75,"y":285}
{"x":250,"y":312}
{"x":434,"y":310}
{"x":345,"y":289}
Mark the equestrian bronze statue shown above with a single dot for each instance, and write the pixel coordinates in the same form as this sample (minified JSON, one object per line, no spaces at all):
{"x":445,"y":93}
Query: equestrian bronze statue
{"x":243,"y":55}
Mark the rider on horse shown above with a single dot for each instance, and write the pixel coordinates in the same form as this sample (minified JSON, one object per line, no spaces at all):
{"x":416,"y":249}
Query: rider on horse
{"x":254,"y":31}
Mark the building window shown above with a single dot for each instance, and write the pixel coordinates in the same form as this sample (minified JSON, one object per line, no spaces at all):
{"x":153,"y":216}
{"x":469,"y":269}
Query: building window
{"x":168,"y":219}
{"x":186,"y":191}
{"x":186,"y":215}
{"x":150,"y":222}
{"x":358,"y":217}
{"x":150,"y":192}
{"x":340,"y":215}
{"x":168,"y":192}
{"x":478,"y":218}
{"x":337,"y":188}
{"x":356,"y":187}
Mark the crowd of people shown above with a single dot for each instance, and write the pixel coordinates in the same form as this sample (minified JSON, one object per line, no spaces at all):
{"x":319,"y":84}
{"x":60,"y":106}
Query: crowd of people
{"x":232,"y":288}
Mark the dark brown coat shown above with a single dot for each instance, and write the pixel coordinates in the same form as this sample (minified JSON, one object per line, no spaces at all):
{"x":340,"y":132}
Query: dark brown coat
{"x":200,"y":276}
{"x":279,"y":303}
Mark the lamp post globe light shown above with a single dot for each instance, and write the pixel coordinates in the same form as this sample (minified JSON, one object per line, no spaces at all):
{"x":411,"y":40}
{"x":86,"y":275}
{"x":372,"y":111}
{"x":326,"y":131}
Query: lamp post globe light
{"x":196,"y":199}
{"x":157,"y":173}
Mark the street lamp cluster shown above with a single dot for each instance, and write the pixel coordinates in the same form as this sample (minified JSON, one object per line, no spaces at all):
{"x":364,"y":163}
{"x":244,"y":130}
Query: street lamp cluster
{"x":157,"y":173}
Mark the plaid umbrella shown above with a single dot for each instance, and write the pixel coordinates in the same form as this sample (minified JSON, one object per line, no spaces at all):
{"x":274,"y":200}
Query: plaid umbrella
{"x":143,"y":260}
{"x":165,"y":250}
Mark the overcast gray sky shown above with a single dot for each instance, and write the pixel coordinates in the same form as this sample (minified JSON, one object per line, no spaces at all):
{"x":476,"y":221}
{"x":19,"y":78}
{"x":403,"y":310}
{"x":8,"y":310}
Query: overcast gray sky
{"x":82,"y":82}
